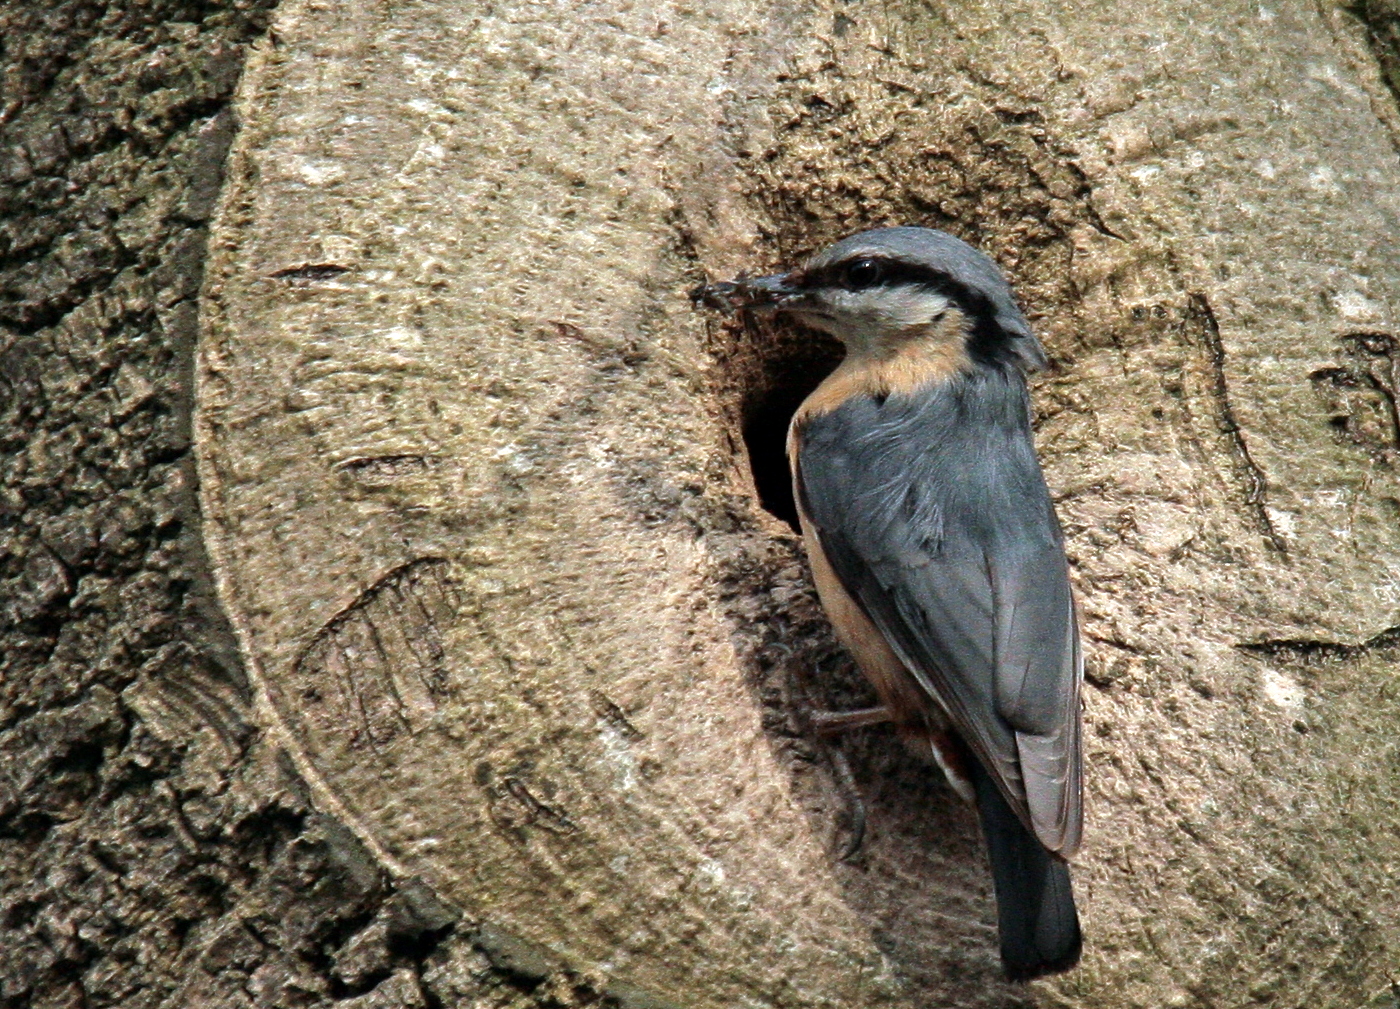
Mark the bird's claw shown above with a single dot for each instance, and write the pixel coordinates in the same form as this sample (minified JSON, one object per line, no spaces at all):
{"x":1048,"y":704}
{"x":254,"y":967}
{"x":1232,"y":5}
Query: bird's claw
{"x":855,"y":806}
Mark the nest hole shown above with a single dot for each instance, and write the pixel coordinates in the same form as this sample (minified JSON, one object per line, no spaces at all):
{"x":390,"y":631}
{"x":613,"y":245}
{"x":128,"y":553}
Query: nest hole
{"x":787,"y":367}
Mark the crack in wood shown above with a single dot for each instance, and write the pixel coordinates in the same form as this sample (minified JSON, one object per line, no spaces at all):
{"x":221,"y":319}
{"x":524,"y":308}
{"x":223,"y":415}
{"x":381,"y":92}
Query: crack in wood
{"x":1256,"y":484}
{"x":310,"y":272}
{"x":538,"y":812}
{"x":1311,"y":649}
{"x":606,"y":709}
{"x":388,"y":467}
{"x":381,"y":661}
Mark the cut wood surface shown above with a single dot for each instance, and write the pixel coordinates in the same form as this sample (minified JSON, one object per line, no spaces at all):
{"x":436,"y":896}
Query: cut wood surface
{"x":514,"y":707}
{"x":480,"y":504}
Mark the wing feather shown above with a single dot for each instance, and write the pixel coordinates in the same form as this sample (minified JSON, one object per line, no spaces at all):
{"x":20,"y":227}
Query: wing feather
{"x":934,"y":515}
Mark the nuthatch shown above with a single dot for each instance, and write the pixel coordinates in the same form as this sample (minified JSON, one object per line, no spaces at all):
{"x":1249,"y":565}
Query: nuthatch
{"x":935,"y":547}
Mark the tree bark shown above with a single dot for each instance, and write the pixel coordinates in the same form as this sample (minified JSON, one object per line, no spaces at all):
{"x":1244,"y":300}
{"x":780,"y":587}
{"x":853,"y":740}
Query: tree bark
{"x":431,"y":633}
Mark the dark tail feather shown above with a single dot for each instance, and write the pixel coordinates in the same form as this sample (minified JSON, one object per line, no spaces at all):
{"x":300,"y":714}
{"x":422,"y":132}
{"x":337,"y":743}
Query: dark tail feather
{"x":1035,"y":906}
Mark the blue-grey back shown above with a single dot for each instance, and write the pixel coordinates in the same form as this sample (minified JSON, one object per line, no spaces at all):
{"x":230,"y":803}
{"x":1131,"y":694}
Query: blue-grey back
{"x":954,"y":467}
{"x":932,"y":511}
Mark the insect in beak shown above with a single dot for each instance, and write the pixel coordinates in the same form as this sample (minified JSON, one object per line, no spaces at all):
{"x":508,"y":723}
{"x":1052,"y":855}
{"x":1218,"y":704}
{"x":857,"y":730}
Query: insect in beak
{"x":752,"y":293}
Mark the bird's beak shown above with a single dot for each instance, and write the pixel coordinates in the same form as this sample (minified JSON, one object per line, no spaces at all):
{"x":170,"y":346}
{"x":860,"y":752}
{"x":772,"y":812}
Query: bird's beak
{"x":752,"y":293}
{"x":767,"y":292}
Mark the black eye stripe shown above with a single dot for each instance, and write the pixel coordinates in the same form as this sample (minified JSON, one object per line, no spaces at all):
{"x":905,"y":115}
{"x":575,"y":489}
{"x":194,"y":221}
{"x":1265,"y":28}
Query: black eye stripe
{"x":892,"y":273}
{"x":987,"y":339}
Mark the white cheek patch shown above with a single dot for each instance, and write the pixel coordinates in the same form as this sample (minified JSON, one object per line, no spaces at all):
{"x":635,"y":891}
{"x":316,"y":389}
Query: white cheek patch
{"x":885,"y":311}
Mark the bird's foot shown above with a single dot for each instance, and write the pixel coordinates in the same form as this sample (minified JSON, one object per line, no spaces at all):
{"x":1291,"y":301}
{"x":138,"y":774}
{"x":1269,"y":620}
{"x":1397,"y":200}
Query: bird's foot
{"x":855,"y":805}
{"x":833,"y":723}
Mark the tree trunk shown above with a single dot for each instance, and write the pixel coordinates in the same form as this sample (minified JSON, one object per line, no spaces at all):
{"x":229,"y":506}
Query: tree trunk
{"x":433,"y":633}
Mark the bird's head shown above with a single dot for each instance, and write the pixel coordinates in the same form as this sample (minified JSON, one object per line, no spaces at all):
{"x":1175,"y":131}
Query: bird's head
{"x":878,"y":288}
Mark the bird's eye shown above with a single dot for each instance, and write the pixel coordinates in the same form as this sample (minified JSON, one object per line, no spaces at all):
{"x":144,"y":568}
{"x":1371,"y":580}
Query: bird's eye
{"x":863,"y":273}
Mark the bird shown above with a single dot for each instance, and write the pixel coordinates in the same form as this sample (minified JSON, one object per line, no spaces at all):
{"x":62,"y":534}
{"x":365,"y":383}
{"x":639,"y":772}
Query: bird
{"x":936,"y":551}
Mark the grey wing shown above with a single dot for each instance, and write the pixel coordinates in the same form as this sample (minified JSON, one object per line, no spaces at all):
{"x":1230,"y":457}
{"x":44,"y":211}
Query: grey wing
{"x":934,"y":515}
